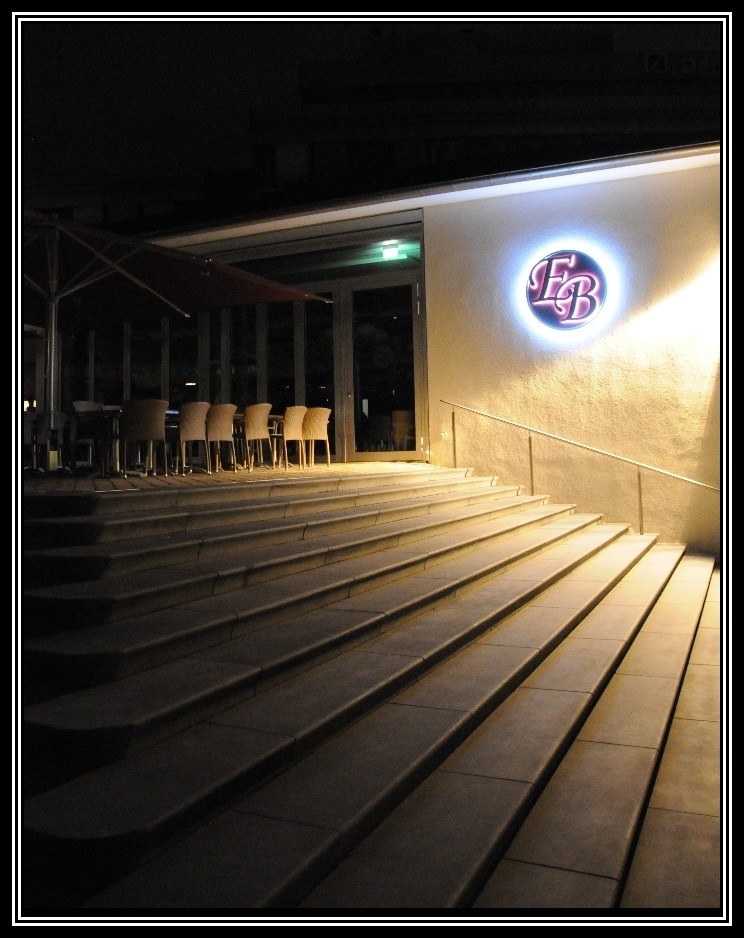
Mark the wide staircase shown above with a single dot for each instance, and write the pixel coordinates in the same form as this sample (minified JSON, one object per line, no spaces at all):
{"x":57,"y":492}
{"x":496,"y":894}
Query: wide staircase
{"x":390,"y":690}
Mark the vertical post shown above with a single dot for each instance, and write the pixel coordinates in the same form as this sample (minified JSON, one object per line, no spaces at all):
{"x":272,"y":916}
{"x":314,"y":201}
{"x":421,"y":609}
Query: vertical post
{"x":454,"y":443}
{"x":91,"y":377}
{"x":204,"y":377}
{"x":126,"y":372}
{"x":165,"y":382}
{"x":262,"y":352}
{"x":532,"y":470}
{"x":640,"y":503}
{"x":51,"y":388}
{"x":40,"y":373}
{"x":52,"y":382}
{"x":299,"y":352}
{"x":225,"y":395}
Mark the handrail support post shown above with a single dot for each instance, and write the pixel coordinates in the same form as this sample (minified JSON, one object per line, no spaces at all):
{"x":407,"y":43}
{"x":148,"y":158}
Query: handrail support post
{"x":532,"y":465}
{"x":640,"y":504}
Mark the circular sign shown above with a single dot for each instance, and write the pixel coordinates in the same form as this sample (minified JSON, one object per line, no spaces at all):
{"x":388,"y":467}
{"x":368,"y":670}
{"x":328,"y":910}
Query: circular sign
{"x":566,"y":289}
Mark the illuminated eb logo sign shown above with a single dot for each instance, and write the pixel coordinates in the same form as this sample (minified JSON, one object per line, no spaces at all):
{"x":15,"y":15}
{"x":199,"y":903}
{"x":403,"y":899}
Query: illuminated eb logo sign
{"x":566,"y":289}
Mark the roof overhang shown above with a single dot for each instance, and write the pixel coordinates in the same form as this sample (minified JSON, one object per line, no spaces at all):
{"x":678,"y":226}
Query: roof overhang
{"x":384,"y":207}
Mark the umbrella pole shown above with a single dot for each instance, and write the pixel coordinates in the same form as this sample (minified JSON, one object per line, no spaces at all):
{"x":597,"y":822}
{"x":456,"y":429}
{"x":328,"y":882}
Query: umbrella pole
{"x":51,"y":385}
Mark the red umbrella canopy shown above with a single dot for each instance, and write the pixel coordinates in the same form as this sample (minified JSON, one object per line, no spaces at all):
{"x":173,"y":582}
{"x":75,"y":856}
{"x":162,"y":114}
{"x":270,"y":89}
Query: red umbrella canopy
{"x":97,"y":279}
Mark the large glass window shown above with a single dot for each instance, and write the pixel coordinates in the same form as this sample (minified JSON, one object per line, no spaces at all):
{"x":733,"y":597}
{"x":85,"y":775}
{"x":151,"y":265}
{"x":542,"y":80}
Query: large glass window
{"x":244,"y":357}
{"x":215,"y":357}
{"x":280,"y":356}
{"x":184,"y":358}
{"x":74,"y":363}
{"x":109,"y":366}
{"x":146,"y":361}
{"x":362,"y":354}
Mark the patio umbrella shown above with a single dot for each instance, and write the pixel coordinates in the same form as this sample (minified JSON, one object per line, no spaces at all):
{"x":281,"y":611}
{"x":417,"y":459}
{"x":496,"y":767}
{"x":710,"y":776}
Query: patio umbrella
{"x":77,"y":277}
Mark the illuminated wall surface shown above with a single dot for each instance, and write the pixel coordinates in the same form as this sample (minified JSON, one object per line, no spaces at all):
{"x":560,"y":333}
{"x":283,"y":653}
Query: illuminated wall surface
{"x":636,"y":372}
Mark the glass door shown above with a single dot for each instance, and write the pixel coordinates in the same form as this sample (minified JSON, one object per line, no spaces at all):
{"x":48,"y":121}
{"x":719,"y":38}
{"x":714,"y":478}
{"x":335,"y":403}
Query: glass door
{"x":380,"y":383}
{"x":383,"y":370}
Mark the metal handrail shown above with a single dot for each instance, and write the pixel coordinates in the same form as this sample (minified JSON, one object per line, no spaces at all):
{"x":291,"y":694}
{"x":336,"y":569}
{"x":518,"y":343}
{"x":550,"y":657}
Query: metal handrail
{"x":592,"y":449}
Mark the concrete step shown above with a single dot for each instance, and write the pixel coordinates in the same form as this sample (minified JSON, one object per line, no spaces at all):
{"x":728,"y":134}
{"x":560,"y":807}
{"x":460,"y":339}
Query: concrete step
{"x":76,"y":658}
{"x":575,"y":819}
{"x":231,"y":491}
{"x":389,"y":730}
{"x":187,"y":514}
{"x":60,"y":607}
{"x":140,"y":545}
{"x":548,"y":772}
{"x":677,"y":856}
{"x":74,"y":732}
{"x":116,"y":817}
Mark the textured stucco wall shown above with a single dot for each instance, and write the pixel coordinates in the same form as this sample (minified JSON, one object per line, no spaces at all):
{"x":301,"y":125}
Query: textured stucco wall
{"x":646,"y":386}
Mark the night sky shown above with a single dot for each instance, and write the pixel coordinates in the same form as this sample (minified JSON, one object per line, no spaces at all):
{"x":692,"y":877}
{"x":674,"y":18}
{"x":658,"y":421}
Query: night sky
{"x":94,"y":92}
{"x":111,"y":102}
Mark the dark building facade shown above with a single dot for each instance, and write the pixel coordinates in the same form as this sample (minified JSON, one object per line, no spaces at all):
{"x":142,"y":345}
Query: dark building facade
{"x":235,"y":117}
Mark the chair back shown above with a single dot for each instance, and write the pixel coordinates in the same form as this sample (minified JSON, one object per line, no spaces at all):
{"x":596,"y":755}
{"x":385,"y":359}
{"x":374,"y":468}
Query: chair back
{"x":192,"y":421}
{"x":257,"y":421}
{"x":143,"y":420}
{"x":315,"y":429}
{"x":293,"y":421}
{"x":220,"y":422}
{"x":253,"y":431}
{"x":315,"y":423}
{"x":221,"y":429}
{"x":294,"y":416}
{"x":192,"y":428}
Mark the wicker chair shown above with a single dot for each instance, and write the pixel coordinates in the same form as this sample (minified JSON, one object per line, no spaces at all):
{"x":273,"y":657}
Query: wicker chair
{"x":315,"y":430}
{"x":144,"y":422}
{"x":253,"y":433}
{"x":192,"y":428}
{"x":292,"y":433}
{"x":221,"y":429}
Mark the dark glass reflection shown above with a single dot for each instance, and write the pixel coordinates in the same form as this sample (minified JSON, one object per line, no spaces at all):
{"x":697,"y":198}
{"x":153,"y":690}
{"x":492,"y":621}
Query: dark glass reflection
{"x":244,"y":360}
{"x":280,"y":363}
{"x":383,"y":369}
{"x":184,"y":357}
